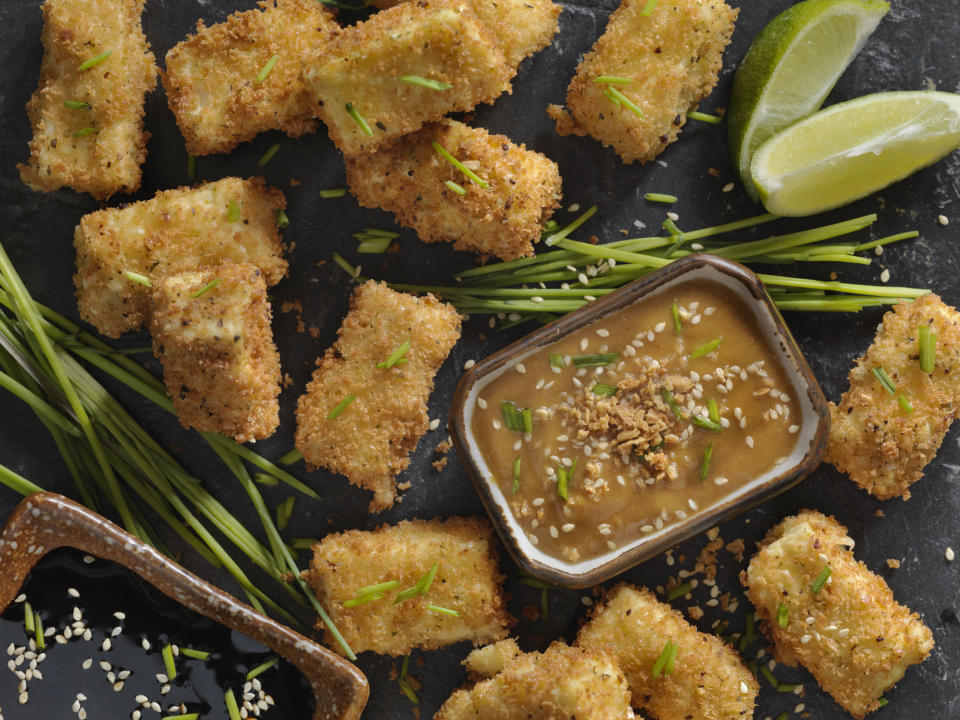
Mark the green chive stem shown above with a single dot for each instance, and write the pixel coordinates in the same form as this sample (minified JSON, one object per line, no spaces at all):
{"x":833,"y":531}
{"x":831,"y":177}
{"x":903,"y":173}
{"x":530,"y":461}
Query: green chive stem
{"x":96,"y":60}
{"x":623,"y":101}
{"x":612,"y":80}
{"x":436,"y":85}
{"x":205,"y":289}
{"x":230,"y":700}
{"x":195,"y":654}
{"x":660,"y":665}
{"x":138,"y":278}
{"x":565,"y":232}
{"x":355,"y":114}
{"x":604,"y":390}
{"x":679,"y":591}
{"x":168,"y":664}
{"x":233,"y":212}
{"x":706,"y":348}
{"x":77,"y":105}
{"x":395,"y":356}
{"x":282,"y":219}
{"x":443,"y":610}
{"x":705,"y":463}
{"x":705,"y":117}
{"x":291,"y":457}
{"x":516,"y":475}
{"x":379,"y":587}
{"x":332,"y":193}
{"x":262,"y":668}
{"x":268,"y":155}
{"x":713,"y":412}
{"x":649,"y":8}
{"x":458,"y":189}
{"x":927,"y":342}
{"x":821,"y":580}
{"x":340,"y":407}
{"x":884,"y":380}
{"x":459,"y":165}
{"x":594,"y":360}
{"x":660,"y":198}
{"x":265,"y":70}
{"x":84,"y":132}
{"x":675,"y":314}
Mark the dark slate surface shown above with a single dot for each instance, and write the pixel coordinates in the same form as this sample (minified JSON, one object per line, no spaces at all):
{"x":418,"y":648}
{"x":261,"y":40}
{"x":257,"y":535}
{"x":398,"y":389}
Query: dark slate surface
{"x":915,"y":47}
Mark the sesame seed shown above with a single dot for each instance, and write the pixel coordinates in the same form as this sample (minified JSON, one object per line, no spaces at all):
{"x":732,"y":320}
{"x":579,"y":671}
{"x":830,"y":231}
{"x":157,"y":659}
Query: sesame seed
{"x":949,"y":554}
{"x":77,"y":615}
{"x":106,"y":645}
{"x":141,"y":699}
{"x":603,"y":332}
{"x":469,"y":364}
{"x":799,"y":708}
{"x":105,"y":666}
{"x":72,"y":592}
{"x":728,"y":187}
{"x":942,"y":219}
{"x":554,"y":533}
{"x":116,"y":631}
{"x":88,"y":559}
{"x":145,"y":644}
{"x":434,"y":424}
{"x":673,"y":216}
{"x":87,"y":664}
{"x":162,"y":678}
{"x":743,"y":688}
{"x":568,"y":527}
{"x":793,"y":429}
{"x":21,"y":598}
{"x":135,"y":715}
{"x":76,"y":706}
{"x":520,"y":368}
{"x":573,"y":207}
{"x":721,"y":480}
{"x":885,"y":275}
{"x":660,"y":327}
{"x":806,"y":638}
{"x":23,"y":698}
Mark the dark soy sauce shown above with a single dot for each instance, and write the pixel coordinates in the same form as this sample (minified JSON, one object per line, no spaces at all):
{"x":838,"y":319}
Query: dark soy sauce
{"x":104,"y":589}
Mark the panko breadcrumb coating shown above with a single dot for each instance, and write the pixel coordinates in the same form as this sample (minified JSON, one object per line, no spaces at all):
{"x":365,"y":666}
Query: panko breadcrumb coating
{"x":562,"y":682}
{"x":211,"y":330}
{"x":407,"y":176}
{"x":522,"y":27}
{"x":467,"y":581}
{"x":671,"y":57}
{"x":370,"y":440}
{"x":883,"y":448}
{"x":180,"y":229}
{"x":852,"y":635}
{"x":709,"y":680}
{"x":361,"y":69}
{"x":99,"y":147}
{"x":211,"y":77}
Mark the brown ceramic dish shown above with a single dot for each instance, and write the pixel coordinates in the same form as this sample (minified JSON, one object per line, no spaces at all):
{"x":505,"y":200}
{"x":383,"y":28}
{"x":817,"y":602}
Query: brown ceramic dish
{"x":812,"y":416}
{"x":45,"y":522}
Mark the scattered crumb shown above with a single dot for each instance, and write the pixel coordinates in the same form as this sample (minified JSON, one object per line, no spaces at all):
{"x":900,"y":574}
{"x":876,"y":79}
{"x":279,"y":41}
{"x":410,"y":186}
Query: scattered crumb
{"x":714,"y":172}
{"x":736,"y":548}
{"x":294,"y":182}
{"x":439,"y":464}
{"x":314,"y":331}
{"x":893,"y":564}
{"x":695,"y":612}
{"x":287,"y":380}
{"x":879,"y":513}
{"x":404,"y":485}
{"x":531,"y":612}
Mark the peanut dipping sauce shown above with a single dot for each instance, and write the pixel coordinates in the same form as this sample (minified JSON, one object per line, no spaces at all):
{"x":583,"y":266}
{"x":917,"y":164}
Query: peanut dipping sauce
{"x":630,"y":465}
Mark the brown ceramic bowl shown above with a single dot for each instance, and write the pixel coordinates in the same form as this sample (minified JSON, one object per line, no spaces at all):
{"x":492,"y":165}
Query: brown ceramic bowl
{"x":814,"y":423}
{"x":45,"y":521}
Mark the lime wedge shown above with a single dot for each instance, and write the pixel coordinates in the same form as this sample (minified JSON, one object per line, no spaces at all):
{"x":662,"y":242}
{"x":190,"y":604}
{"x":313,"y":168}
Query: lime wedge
{"x":852,"y":149}
{"x":790,"y":69}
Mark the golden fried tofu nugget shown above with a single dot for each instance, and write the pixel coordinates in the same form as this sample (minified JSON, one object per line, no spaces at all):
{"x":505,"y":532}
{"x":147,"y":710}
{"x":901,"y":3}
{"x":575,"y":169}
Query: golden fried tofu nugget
{"x":87,"y":112}
{"x":708,"y":680}
{"x":356,"y":81}
{"x":407,"y":177}
{"x":671,"y":58}
{"x":211,"y":330}
{"x":368,"y":439}
{"x":182,"y":229}
{"x":466,"y":581}
{"x":848,"y":631}
{"x":522,"y":27}
{"x":218,"y":84}
{"x":561,"y":683}
{"x":881,"y":446}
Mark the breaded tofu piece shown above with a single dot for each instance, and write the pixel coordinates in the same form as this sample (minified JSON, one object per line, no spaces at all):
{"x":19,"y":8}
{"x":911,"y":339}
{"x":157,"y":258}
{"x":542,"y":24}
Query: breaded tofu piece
{"x":466,"y":581}
{"x":211,"y":330}
{"x":407,"y":176}
{"x":671,"y":57}
{"x":853,"y":637}
{"x":882,"y":447}
{"x":181,"y":229}
{"x":368,"y":439}
{"x":560,"y":683}
{"x":361,"y":70}
{"x":212,"y":77}
{"x":709,"y":680}
{"x":522,"y":27}
{"x":97,"y":143}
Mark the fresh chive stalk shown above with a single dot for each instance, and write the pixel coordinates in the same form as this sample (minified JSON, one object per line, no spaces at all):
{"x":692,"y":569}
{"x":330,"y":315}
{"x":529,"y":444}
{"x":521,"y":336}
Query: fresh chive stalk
{"x":138,"y":278}
{"x":785,"y":715}
{"x":262,"y":668}
{"x":458,"y":189}
{"x":515,"y":418}
{"x":191,"y":167}
{"x":265,"y":70}
{"x":679,"y":591}
{"x":928,"y":349}
{"x":436,"y":85}
{"x":904,"y":403}
{"x":771,"y":678}
{"x":675,"y":314}
{"x":786,"y":687}
{"x":282,"y":219}
{"x":363,"y":599}
{"x":665,"y":662}
{"x":195,"y":654}
{"x":38,"y":633}
{"x":96,"y":60}
{"x":612,"y":80}
{"x":713,"y":412}
{"x":660,"y":198}
{"x":649,"y":8}
{"x":821,"y":580}
{"x":230,"y":700}
{"x":563,"y":482}
{"x":355,"y":114}
{"x":706,"y":348}
{"x":396,"y":357}
{"x":168,"y":664}
{"x":205,"y":289}
{"x":268,"y":155}
{"x":404,"y":684}
{"x":782,"y":615}
{"x":285,"y":512}
{"x":385,"y":586}
{"x":85,"y":132}
{"x":332,"y":193}
{"x":604,"y":390}
{"x":556,"y":360}
{"x":374,"y":246}
{"x":459,"y":165}
{"x":671,"y":403}
{"x":705,"y":117}
{"x":562,"y":234}
{"x":353,"y":272}
{"x":233,"y":212}
{"x":623,"y":101}
{"x":442,"y":610}
{"x":340,"y":407}
{"x":264,"y":479}
{"x":422,"y":586}
{"x":884,"y":380}
{"x":600,"y":360}
{"x":706,"y":423}
{"x":705,"y":463}
{"x":77,"y":105}
{"x":291,"y":457}
{"x":516,"y":475}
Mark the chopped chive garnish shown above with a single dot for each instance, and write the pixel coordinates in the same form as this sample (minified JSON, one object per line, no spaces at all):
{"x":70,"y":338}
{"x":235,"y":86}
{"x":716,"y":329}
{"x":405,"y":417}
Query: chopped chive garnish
{"x":282,"y":219}
{"x":785,"y":715}
{"x":928,"y":349}
{"x":458,"y":189}
{"x":230,"y":700}
{"x":268,"y":155}
{"x":233,"y":211}
{"x":191,"y":167}
{"x":742,"y":644}
{"x":168,"y":664}
{"x":284,"y":512}
{"x":706,"y":348}
{"x":262,"y":668}
{"x":885,"y":380}
{"x":303,"y":543}
{"x":665,"y":661}
{"x":905,"y":403}
{"x":333,"y":193}
{"x":771,"y":678}
{"x":459,"y":165}
{"x":395,"y":357}
{"x":649,"y":8}
{"x":265,"y":70}
{"x":408,"y":691}
{"x":516,"y":419}
{"x":660,"y":198}
{"x":195,"y":654}
{"x":671,"y":227}
{"x":751,"y":629}
{"x":668,"y":399}
{"x":426,"y":82}
{"x":679,"y":591}
{"x":516,"y":476}
{"x":187,"y":716}
{"x":77,"y":105}
{"x":359,"y":118}
{"x":705,"y":117}
{"x":422,"y":586}
{"x":443,"y":610}
{"x":340,"y":407}
{"x":374,"y":245}
{"x":94,"y":61}
{"x":611,"y":80}
{"x":786,"y":687}
{"x":378,"y":588}
{"x":291,"y":457}
{"x":28,"y":624}
{"x":706,"y":423}
{"x":562,"y":234}
{"x":205,"y":289}
{"x":882,"y":702}
{"x":352,"y":271}
{"x":39,"y":636}
{"x":556,"y":360}
{"x":623,"y":101}
{"x":86,"y":131}
{"x":362,"y":600}
{"x":138,"y":278}
{"x":594,"y":360}
{"x":821,"y":580}
{"x":675,"y":312}
{"x":604,"y":390}
{"x":782,"y":614}
{"x":705,"y":463}
{"x":713,"y":412}
{"x":562,"y":482}
{"x":264,"y":479}
{"x":427,"y":580}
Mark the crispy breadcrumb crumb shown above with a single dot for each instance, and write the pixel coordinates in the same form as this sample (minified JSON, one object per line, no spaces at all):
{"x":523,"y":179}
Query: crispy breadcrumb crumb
{"x":852,"y":635}
{"x":97,"y":149}
{"x":467,"y":581}
{"x":407,"y":176}
{"x":671,"y":57}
